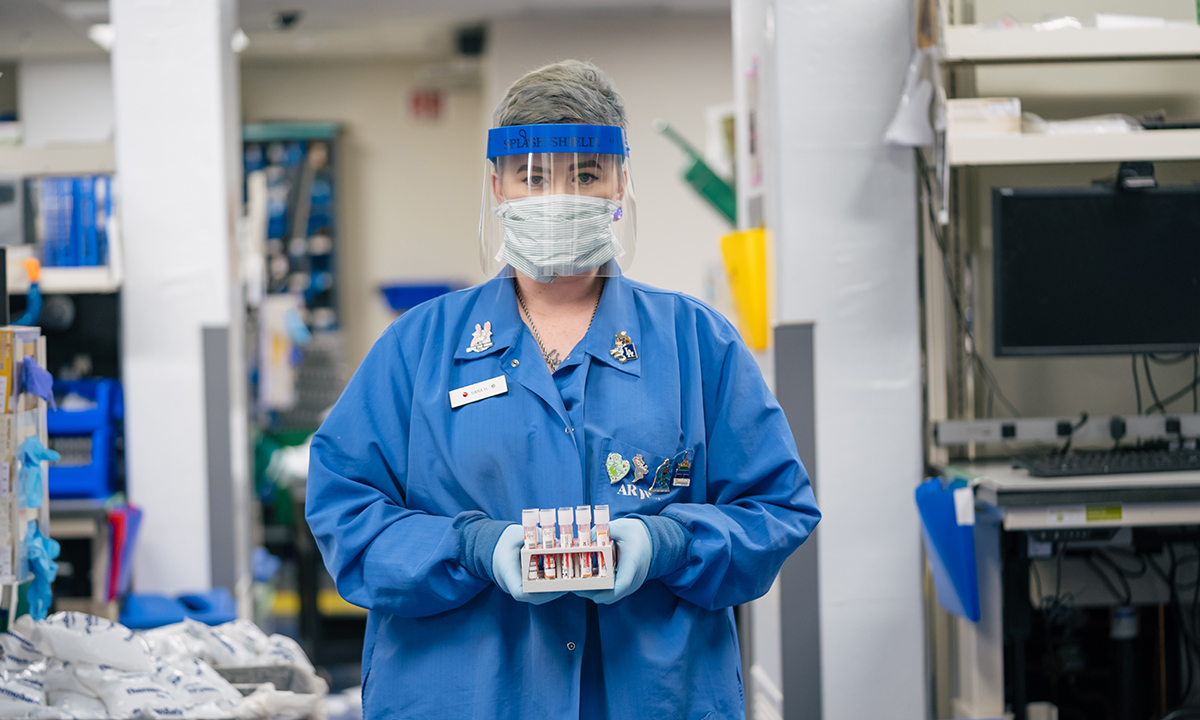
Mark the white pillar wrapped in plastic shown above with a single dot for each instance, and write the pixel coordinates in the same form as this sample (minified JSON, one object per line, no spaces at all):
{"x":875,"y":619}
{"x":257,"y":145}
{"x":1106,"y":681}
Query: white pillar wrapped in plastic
{"x":842,"y":209}
{"x":177,"y":159}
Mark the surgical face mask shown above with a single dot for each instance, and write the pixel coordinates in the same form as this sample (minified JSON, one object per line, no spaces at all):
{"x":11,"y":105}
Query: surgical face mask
{"x":549,"y":236}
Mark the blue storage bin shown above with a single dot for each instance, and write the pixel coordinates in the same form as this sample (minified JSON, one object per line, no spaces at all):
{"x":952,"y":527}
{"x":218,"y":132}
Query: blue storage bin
{"x":213,"y":607}
{"x":70,"y":478}
{"x":144,"y":612}
{"x":404,"y":296}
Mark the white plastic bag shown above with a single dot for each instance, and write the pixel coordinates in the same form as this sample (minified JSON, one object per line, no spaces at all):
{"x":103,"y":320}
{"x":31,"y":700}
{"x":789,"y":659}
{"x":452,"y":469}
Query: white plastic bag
{"x":196,"y":686}
{"x":219,"y":648}
{"x":81,"y":638}
{"x":267,"y":703}
{"x":61,"y":679}
{"x":129,"y":694}
{"x":22,"y":677}
{"x":173,"y":642}
{"x":79,"y":706}
{"x":247,"y":634}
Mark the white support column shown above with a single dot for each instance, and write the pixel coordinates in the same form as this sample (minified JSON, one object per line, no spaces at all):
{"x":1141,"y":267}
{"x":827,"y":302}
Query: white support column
{"x":175,"y":80}
{"x":842,"y":206}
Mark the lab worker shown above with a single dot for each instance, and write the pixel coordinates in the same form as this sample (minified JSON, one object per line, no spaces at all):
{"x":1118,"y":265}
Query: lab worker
{"x":560,"y":382}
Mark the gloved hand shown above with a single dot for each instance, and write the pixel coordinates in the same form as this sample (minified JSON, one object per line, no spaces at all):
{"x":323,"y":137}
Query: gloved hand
{"x":506,"y":567}
{"x":633,"y":560}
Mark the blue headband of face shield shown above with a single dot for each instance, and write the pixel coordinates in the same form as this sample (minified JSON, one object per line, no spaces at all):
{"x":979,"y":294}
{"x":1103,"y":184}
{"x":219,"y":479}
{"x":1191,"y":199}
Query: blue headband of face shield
{"x":556,"y":138}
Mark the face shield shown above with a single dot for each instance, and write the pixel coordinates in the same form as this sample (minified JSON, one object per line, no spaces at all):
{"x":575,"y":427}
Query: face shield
{"x":557,"y":201}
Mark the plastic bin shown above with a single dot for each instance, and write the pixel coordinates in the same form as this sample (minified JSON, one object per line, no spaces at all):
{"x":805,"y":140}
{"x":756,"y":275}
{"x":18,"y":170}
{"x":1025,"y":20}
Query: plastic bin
{"x":213,"y":607}
{"x":146,"y":611}
{"x":404,"y":296}
{"x":91,"y":433}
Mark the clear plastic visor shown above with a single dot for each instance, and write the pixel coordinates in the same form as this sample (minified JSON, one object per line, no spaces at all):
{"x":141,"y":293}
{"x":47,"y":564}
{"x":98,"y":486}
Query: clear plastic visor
{"x":550,"y":215}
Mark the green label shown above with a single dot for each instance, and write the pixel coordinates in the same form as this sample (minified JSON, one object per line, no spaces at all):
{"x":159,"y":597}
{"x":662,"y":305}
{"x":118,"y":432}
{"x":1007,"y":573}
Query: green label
{"x":1100,"y":513}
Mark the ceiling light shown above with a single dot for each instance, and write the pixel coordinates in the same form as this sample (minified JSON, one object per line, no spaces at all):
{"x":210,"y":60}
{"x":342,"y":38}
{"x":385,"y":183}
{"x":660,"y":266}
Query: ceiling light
{"x":103,"y":34}
{"x":240,"y":40}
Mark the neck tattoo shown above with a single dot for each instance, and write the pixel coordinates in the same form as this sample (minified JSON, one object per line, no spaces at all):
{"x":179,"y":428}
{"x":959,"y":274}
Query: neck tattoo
{"x":551,"y":356}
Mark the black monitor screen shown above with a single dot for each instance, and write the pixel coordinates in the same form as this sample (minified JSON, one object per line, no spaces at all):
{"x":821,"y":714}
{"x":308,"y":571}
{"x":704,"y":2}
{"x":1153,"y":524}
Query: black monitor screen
{"x":1096,"y":270}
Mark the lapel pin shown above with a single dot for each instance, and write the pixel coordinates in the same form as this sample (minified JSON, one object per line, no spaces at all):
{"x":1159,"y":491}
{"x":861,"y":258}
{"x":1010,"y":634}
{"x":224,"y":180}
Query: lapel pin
{"x":683,"y":472}
{"x":618,"y":467}
{"x":662,"y":478}
{"x":623,"y":349}
{"x":482,"y":339}
{"x":639,"y":467}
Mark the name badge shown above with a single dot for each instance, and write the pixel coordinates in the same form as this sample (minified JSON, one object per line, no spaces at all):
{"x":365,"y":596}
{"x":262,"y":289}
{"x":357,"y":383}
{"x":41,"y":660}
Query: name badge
{"x":480,"y":390}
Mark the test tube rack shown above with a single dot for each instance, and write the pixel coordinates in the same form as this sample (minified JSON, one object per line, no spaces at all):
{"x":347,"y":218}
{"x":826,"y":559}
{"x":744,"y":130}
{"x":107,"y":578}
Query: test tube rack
{"x":560,"y":584}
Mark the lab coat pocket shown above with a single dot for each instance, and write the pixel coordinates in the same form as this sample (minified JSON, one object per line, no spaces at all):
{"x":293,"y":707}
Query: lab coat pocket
{"x":625,"y":476}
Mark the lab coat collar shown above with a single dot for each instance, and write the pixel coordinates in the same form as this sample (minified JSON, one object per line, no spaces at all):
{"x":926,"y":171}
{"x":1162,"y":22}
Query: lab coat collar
{"x":497,"y":304}
{"x":617,"y":312}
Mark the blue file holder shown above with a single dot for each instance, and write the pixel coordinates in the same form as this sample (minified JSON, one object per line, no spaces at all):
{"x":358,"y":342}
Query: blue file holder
{"x":96,"y":479}
{"x":950,"y":548}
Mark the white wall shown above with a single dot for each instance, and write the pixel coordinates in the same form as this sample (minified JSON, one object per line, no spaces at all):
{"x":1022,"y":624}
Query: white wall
{"x":65,"y":101}
{"x":409,"y":190}
{"x":666,"y":66}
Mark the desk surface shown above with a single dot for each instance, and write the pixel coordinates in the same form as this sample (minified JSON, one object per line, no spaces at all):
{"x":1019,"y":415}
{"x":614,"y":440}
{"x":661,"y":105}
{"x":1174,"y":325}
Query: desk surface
{"x":1002,"y":485}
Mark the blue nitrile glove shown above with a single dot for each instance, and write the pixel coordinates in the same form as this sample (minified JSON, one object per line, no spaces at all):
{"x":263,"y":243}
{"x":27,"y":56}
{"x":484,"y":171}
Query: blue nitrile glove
{"x":37,"y":380}
{"x":634,"y":552}
{"x":33,"y":452}
{"x":506,"y":567}
{"x":42,"y":553}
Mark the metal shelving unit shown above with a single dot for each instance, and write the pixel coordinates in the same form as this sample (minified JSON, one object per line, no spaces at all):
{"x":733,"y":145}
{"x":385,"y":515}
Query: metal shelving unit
{"x":979,"y":648}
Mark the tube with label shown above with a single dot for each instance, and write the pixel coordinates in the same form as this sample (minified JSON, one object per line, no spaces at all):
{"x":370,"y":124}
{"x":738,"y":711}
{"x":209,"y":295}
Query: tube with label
{"x":566,"y":539}
{"x":548,"y":542}
{"x":583,"y":520}
{"x":529,"y":519}
{"x":601,"y":517}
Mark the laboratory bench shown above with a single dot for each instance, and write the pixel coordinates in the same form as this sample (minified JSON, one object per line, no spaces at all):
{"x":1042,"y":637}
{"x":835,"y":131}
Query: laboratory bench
{"x":1018,"y":516}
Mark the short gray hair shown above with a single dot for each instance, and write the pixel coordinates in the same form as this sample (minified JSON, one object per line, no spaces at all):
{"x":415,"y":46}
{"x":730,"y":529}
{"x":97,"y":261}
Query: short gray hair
{"x":571,"y":91}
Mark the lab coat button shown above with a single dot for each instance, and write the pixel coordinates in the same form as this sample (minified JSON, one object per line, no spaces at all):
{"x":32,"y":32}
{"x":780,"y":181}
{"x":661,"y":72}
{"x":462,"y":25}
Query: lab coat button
{"x":516,"y":363}
{"x":570,"y":646}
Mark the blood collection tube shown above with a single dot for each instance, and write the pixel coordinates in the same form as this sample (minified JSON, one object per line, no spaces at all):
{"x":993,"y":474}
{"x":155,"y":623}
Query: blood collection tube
{"x":601,"y":517}
{"x":547,"y":517}
{"x":529,"y":520}
{"x":583,"y":520}
{"x":566,"y":539}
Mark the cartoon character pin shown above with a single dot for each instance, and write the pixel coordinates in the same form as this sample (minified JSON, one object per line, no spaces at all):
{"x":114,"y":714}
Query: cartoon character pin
{"x":623,"y":349}
{"x":683,"y":472}
{"x":639,"y":467}
{"x":482,"y":339}
{"x":662,"y":478}
{"x":618,"y":467}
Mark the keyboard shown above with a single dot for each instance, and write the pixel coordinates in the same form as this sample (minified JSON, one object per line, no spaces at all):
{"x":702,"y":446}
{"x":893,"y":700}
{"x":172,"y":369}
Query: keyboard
{"x":1110,"y":462}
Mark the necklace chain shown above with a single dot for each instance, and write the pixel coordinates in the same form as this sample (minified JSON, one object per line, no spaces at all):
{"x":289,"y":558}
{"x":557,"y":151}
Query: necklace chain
{"x":551,"y":356}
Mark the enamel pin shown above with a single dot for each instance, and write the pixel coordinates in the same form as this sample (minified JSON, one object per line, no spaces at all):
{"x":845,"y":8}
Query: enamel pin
{"x":623,"y":349}
{"x":662,"y":478}
{"x":482,"y":339}
{"x":683,"y":472}
{"x":639,"y":467}
{"x":618,"y":467}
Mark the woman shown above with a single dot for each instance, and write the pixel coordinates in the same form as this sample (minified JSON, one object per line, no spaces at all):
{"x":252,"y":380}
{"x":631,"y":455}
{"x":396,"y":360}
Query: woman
{"x":557,"y":383}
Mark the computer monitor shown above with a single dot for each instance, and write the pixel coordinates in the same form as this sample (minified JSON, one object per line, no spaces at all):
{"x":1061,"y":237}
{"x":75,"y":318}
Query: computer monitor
{"x":1096,"y":270}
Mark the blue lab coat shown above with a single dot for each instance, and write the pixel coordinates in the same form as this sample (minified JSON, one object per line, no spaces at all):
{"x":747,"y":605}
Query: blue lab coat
{"x":404,"y":494}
